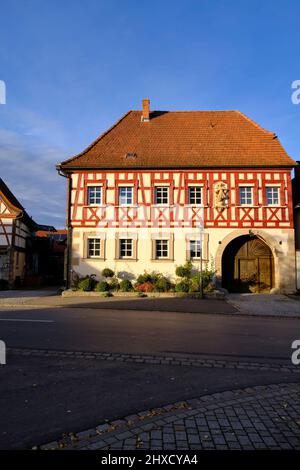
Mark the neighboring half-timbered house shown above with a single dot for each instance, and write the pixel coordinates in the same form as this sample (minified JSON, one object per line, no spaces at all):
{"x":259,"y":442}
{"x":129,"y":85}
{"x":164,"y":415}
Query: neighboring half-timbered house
{"x":15,"y":228}
{"x":159,"y":188}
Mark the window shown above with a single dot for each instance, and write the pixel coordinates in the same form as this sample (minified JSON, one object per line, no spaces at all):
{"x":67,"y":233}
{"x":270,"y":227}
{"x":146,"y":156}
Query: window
{"x":94,"y":194}
{"x":125,"y":195}
{"x":246,"y":198}
{"x":161,"y":195}
{"x":195,"y":248}
{"x":161,"y":248}
{"x":272,"y":194}
{"x":195,"y":195}
{"x":126,"y":250}
{"x":94,"y":247}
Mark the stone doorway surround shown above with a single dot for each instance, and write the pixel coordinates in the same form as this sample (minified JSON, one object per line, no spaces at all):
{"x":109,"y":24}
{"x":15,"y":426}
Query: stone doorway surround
{"x":282,"y":245}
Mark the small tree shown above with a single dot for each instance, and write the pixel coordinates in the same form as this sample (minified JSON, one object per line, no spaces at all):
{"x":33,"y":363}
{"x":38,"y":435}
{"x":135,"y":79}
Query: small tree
{"x":107,"y":273}
{"x":184,"y":271}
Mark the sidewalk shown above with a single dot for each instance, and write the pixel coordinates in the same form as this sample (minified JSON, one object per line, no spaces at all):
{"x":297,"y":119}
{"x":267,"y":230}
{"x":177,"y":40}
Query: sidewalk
{"x":280,"y":306}
{"x":263,"y":417}
{"x":265,"y":304}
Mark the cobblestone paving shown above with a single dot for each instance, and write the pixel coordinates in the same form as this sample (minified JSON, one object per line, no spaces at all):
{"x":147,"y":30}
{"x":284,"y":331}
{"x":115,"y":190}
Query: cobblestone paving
{"x":180,"y":360}
{"x":263,"y":417}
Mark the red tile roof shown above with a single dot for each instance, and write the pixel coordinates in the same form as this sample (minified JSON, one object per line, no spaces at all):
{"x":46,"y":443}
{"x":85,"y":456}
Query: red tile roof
{"x":184,"y":139}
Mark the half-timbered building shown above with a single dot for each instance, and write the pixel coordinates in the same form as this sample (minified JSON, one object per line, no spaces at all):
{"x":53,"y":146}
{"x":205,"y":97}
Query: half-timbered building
{"x":159,"y":188}
{"x":15,"y":228}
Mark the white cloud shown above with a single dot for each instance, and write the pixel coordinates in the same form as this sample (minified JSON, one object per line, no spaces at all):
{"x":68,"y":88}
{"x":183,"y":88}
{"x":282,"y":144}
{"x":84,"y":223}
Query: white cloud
{"x":27,"y":165}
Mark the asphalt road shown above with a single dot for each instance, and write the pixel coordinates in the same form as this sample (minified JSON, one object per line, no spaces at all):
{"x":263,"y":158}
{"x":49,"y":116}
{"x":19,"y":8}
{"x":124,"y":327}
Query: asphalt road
{"x":134,"y":332}
{"x":42,"y":397}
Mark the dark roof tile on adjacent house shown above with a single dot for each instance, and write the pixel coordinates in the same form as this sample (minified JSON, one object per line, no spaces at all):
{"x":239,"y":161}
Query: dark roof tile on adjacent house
{"x":185,"y":139}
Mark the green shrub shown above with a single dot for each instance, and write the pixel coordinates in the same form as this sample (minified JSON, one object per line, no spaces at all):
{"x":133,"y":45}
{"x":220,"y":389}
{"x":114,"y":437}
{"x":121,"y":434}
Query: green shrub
{"x":162,"y":284}
{"x":106,"y":272}
{"x":126,"y":285}
{"x":207,"y":276}
{"x":102,"y":286}
{"x":142,"y":278}
{"x":182,"y":286}
{"x":195,"y":283}
{"x":114,"y":284}
{"x":83,"y":284}
{"x":185,"y":270}
{"x":142,"y":294}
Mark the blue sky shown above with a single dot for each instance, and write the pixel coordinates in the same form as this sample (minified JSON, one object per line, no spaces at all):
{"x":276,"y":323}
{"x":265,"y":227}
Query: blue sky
{"x":73,"y":67}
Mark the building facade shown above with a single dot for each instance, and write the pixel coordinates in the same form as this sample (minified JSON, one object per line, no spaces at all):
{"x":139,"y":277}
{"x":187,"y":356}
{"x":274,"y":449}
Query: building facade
{"x":15,"y":230}
{"x":160,"y":188}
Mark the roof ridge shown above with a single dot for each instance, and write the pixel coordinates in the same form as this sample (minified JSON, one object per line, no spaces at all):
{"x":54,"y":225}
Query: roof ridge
{"x":96,"y":140}
{"x":255,"y":123}
{"x":187,"y":111}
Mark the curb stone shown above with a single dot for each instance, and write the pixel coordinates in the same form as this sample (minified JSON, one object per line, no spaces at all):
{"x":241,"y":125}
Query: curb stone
{"x":158,"y":360}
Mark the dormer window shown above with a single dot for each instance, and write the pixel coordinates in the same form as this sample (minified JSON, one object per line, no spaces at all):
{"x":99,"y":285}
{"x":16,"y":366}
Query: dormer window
{"x":130,"y":155}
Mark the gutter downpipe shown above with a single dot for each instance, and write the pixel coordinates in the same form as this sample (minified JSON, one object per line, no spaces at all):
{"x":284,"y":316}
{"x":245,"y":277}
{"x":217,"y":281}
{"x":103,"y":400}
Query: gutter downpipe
{"x":68,"y":224}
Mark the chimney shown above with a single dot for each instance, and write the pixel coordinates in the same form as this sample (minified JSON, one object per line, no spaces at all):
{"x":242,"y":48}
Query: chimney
{"x":146,"y":110}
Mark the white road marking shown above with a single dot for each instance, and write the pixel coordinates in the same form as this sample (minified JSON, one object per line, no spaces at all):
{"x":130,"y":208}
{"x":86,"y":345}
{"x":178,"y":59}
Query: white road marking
{"x":26,"y":320}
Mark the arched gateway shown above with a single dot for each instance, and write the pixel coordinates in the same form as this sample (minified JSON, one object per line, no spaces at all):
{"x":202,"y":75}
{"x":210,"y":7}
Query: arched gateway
{"x":247,"y":265}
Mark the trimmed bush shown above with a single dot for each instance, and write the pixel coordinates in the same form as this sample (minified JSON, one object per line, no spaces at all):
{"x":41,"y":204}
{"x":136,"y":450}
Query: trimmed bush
{"x":162,"y":284}
{"x":114,"y":284}
{"x":102,"y":286}
{"x":145,"y":287}
{"x":106,"y":272}
{"x":185,"y":270}
{"x":83,"y":284}
{"x":207,"y":276}
{"x":126,"y":285}
{"x":142,"y":278}
{"x":182,"y":286}
{"x":195,"y":283}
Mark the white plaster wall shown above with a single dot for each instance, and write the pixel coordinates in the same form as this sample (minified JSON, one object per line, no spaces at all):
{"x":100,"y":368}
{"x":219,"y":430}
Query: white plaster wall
{"x":282,"y":246}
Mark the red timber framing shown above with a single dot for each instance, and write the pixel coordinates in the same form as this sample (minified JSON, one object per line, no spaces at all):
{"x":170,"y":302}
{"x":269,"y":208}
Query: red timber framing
{"x":178,"y":213}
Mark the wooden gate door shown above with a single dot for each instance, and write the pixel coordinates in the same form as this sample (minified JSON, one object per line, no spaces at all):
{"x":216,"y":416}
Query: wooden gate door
{"x":253,"y":267}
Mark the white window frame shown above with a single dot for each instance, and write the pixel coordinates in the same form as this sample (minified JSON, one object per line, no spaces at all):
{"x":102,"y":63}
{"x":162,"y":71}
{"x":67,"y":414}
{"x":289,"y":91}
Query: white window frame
{"x":247,"y":196}
{"x":124,"y":199}
{"x":162,"y":241}
{"x":93,"y":248}
{"x":268,"y":188}
{"x":196,"y":248}
{"x":195,"y":196}
{"x":97,"y":196}
{"x":127,"y":246}
{"x":164,"y":194}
